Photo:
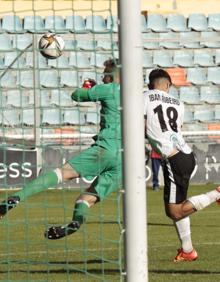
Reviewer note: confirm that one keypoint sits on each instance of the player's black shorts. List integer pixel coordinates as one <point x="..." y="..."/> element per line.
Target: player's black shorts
<point x="177" y="171"/>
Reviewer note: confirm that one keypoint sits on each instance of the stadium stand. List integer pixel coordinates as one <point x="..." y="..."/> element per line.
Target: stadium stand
<point x="188" y="47"/>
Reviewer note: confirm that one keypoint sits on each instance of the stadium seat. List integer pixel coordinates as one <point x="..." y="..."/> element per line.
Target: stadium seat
<point x="183" y="58"/>
<point x="27" y="117"/>
<point x="55" y="24"/>
<point x="197" y="22"/>
<point x="85" y="44"/>
<point x="61" y="62"/>
<point x="16" y="98"/>
<point x="70" y="45"/>
<point x="51" y="117"/>
<point x="9" y="80"/>
<point x="204" y="114"/>
<point x="197" y="76"/>
<point x="188" y="115"/>
<point x="91" y="74"/>
<point x="74" y="117"/>
<point x="190" y="40"/>
<point x="214" y="75"/>
<point x="34" y="24"/>
<point x="143" y="24"/>
<point x="106" y="45"/>
<point x="217" y="57"/>
<point x="44" y="98"/>
<point x="166" y="38"/>
<point x="156" y="22"/>
<point x="210" y="94"/>
<point x="75" y="24"/>
<point x="49" y="78"/>
<point x="190" y="95"/>
<point x="5" y="43"/>
<point x="210" y="39"/>
<point x="162" y="58"/>
<point x="150" y="40"/>
<point x="12" y="24"/>
<point x="69" y="78"/>
<point x="112" y="23"/>
<point x="214" y="21"/>
<point x="203" y="58"/>
<point x="178" y="76"/>
<point x="21" y="41"/>
<point x="96" y="24"/>
<point x="173" y="91"/>
<point x="26" y="79"/>
<point x="92" y="116"/>
<point x="147" y="59"/>
<point x="10" y="57"/>
<point x="61" y="98"/>
<point x="217" y="112"/>
<point x="98" y="59"/>
<point x="41" y="62"/>
<point x="10" y="117"/>
<point x="2" y="66"/>
<point x="79" y="60"/>
<point x="176" y="22"/>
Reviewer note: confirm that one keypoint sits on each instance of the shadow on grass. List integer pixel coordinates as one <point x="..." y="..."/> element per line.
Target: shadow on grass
<point x="187" y="271"/>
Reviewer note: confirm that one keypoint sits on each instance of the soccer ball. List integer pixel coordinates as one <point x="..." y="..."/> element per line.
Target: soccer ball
<point x="51" y="45"/>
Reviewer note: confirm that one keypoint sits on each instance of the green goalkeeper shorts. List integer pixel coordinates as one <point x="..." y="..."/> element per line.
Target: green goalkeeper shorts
<point x="100" y="162"/>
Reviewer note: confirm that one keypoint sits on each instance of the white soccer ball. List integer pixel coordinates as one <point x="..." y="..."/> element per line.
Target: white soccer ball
<point x="51" y="45"/>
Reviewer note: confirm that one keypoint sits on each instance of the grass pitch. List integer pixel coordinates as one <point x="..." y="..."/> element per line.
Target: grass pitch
<point x="94" y="253"/>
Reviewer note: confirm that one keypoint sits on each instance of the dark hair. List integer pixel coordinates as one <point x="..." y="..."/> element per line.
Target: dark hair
<point x="110" y="67"/>
<point x="157" y="74"/>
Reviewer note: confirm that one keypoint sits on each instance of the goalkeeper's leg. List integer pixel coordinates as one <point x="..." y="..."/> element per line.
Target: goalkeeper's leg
<point x="81" y="209"/>
<point x="41" y="183"/>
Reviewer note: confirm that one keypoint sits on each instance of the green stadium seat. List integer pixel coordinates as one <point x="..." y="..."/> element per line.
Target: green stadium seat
<point x="74" y="117"/>
<point x="150" y="40"/>
<point x="34" y="24"/>
<point x="190" y="40"/>
<point x="61" y="98"/>
<point x="9" y="80"/>
<point x="112" y="23"/>
<point x="166" y="40"/>
<point x="183" y="58"/>
<point x="21" y="41"/>
<point x="162" y="58"/>
<point x="176" y="23"/>
<point x="27" y="117"/>
<point x="12" y="24"/>
<point x="197" y="22"/>
<point x="26" y="79"/>
<point x="203" y="58"/>
<point x="210" y="39"/>
<point x="5" y="43"/>
<point x="214" y="21"/>
<point x="70" y="45"/>
<point x="44" y="98"/>
<point x="51" y="117"/>
<point x="69" y="78"/>
<point x="210" y="94"/>
<point x="49" y="78"/>
<point x="16" y="98"/>
<point x="190" y="95"/>
<point x="147" y="59"/>
<point x="79" y="60"/>
<point x="214" y="75"/>
<point x="75" y="24"/>
<point x="85" y="44"/>
<point x="204" y="114"/>
<point x="156" y="22"/>
<point x="197" y="76"/>
<point x="96" y="24"/>
<point x="55" y="24"/>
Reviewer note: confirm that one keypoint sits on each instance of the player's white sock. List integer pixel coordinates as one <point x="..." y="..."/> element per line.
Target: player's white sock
<point x="184" y="233"/>
<point x="202" y="201"/>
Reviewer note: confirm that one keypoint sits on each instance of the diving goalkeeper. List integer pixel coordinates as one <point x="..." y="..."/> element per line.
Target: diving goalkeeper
<point x="102" y="159"/>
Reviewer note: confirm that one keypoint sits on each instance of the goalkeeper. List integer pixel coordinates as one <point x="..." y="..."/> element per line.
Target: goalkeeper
<point x="102" y="159"/>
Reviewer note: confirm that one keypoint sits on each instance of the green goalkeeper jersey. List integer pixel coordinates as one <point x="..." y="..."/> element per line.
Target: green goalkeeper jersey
<point x="108" y="95"/>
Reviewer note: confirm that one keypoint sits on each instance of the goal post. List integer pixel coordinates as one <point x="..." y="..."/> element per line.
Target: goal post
<point x="133" y="141"/>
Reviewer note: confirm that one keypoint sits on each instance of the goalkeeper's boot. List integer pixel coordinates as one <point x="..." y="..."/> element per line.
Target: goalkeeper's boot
<point x="8" y="204"/>
<point x="182" y="256"/>
<point x="58" y="232"/>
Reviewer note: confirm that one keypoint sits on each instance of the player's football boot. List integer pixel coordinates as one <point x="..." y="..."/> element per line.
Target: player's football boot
<point x="218" y="201"/>
<point x="58" y="232"/>
<point x="182" y="256"/>
<point x="9" y="204"/>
